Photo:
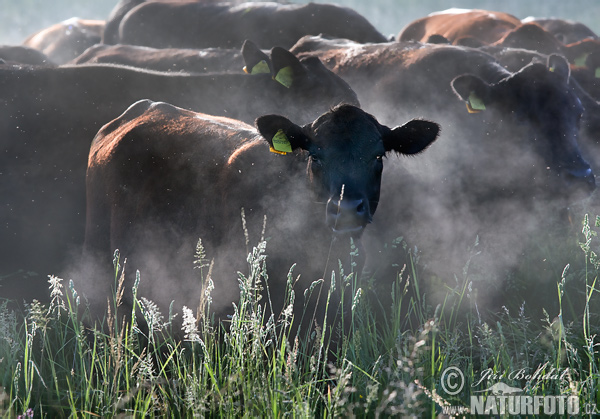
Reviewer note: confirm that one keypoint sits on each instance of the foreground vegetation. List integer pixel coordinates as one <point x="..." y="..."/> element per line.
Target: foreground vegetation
<point x="51" y="365"/>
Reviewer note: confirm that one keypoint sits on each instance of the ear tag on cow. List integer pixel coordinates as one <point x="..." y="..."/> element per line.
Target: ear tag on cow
<point x="281" y="144"/>
<point x="597" y="72"/>
<point x="475" y="104"/>
<point x="285" y="76"/>
<point x="261" y="68"/>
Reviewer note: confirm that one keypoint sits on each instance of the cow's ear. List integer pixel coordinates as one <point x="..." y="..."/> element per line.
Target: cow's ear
<point x="474" y="91"/>
<point x="286" y="67"/>
<point x="282" y="134"/>
<point x="256" y="61"/>
<point x="559" y="65"/>
<point x="411" y="138"/>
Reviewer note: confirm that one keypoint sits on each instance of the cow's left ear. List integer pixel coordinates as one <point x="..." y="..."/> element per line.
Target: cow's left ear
<point x="473" y="90"/>
<point x="411" y="138"/>
<point x="282" y="134"/>
<point x="559" y="65"/>
<point x="256" y="61"/>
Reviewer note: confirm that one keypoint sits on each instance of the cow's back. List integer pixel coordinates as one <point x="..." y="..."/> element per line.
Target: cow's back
<point x="453" y="24"/>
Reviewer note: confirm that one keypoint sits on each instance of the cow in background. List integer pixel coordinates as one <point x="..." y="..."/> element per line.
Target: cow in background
<point x="208" y="60"/>
<point x="64" y="41"/>
<point x="196" y="24"/>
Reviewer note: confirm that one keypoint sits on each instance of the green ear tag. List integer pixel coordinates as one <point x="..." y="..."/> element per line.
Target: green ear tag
<point x="261" y="68"/>
<point x="285" y="76"/>
<point x="475" y="104"/>
<point x="580" y="61"/>
<point x="597" y="72"/>
<point x="281" y="143"/>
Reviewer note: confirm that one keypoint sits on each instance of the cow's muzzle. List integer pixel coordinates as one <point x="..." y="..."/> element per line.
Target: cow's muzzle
<point x="347" y="216"/>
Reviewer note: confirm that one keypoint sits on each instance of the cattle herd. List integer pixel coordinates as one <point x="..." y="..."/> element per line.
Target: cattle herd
<point x="169" y="120"/>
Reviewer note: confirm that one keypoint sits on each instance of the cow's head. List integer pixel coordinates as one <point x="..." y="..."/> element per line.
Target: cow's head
<point x="544" y="112"/>
<point x="346" y="148"/>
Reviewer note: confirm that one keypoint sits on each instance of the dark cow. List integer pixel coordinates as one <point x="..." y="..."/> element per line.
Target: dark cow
<point x="507" y="154"/>
<point x="566" y="31"/>
<point x="111" y="30"/>
<point x="48" y="117"/>
<point x="209" y="60"/>
<point x="191" y="24"/>
<point x="64" y="41"/>
<point x="484" y="25"/>
<point x="160" y="177"/>
<point x="18" y="54"/>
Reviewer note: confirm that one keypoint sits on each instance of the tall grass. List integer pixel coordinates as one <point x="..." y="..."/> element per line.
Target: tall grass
<point x="392" y="363"/>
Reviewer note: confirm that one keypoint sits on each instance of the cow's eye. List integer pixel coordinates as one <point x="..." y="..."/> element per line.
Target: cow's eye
<point x="315" y="160"/>
<point x="379" y="157"/>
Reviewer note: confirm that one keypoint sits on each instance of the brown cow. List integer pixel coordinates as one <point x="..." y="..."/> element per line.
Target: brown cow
<point x="160" y="177"/>
<point x="486" y="26"/>
<point x="64" y="41"/>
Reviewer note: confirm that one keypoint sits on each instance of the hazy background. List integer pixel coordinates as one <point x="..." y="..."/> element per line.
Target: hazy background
<point x="20" y="18"/>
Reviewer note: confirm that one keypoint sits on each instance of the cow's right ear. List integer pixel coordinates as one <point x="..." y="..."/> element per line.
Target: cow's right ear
<point x="282" y="134"/>
<point x="473" y="90"/>
<point x="256" y="61"/>
<point x="286" y="67"/>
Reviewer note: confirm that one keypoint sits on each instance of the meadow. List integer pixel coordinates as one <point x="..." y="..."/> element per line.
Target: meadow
<point x="403" y="357"/>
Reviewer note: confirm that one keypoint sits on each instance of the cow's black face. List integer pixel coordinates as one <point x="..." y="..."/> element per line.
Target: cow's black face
<point x="541" y="108"/>
<point x="346" y="148"/>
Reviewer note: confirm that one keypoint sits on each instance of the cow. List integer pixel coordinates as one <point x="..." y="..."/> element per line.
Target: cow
<point x="195" y="24"/>
<point x="18" y="54"/>
<point x="64" y="41"/>
<point x="486" y="26"/>
<point x="566" y="31"/>
<point x="160" y="177"/>
<point x="208" y="60"/>
<point x="480" y="28"/>
<point x="508" y="152"/>
<point x="48" y="117"/>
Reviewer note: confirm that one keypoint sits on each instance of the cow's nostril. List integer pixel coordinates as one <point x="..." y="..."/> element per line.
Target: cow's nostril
<point x="360" y="208"/>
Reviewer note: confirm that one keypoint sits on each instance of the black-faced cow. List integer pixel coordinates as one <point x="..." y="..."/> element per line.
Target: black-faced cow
<point x="160" y="177"/>
<point x="508" y="157"/>
<point x="194" y="24"/>
<point x="64" y="41"/>
<point x="48" y="117"/>
<point x="208" y="60"/>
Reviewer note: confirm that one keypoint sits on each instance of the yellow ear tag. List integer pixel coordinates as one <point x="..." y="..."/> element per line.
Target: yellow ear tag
<point x="281" y="144"/>
<point x="580" y="61"/>
<point x="475" y="104"/>
<point x="285" y="76"/>
<point x="597" y="74"/>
